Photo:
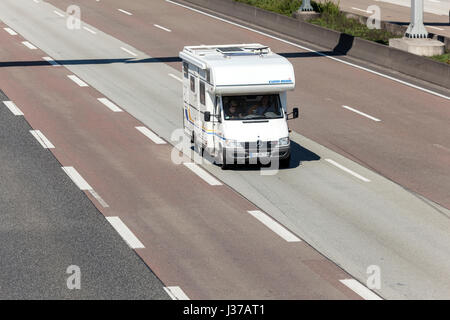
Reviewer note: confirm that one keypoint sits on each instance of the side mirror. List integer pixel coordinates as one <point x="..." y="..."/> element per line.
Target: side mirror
<point x="207" y="116"/>
<point x="294" y="113"/>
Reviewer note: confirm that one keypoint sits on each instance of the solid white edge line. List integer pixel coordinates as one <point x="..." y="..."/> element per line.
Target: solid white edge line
<point x="432" y="27"/>
<point x="175" y="77"/>
<point x="126" y="12"/>
<point x="42" y="139"/>
<point x="77" y="80"/>
<point x="58" y="13"/>
<point x="126" y="234"/>
<point x="347" y="170"/>
<point x="89" y="30"/>
<point x="10" y="31"/>
<point x="13" y="108"/>
<point x="274" y="226"/>
<point x="360" y="289"/>
<point x="77" y="178"/>
<point x="362" y="10"/>
<point x="163" y="28"/>
<point x="202" y="174"/>
<point x="316" y="52"/>
<point x="29" y="45"/>
<point x="110" y="105"/>
<point x="149" y="134"/>
<point x="51" y="61"/>
<point x="175" y="293"/>
<point x="362" y="113"/>
<point x="129" y="51"/>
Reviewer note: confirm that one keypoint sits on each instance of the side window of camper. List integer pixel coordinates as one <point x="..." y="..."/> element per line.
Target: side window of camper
<point x="202" y="92"/>
<point x="185" y="69"/>
<point x="192" y="84"/>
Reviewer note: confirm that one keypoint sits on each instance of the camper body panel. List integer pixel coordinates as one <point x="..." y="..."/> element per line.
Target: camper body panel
<point x="244" y="78"/>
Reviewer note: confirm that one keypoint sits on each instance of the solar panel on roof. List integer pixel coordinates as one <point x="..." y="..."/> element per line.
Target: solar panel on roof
<point x="229" y="49"/>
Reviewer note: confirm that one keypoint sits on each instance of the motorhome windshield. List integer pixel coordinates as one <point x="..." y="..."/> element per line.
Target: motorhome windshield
<point x="252" y="107"/>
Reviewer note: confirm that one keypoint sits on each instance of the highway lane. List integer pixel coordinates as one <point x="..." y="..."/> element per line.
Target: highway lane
<point x="194" y="232"/>
<point x="339" y="232"/>
<point x="47" y="225"/>
<point x="436" y="12"/>
<point x="399" y="147"/>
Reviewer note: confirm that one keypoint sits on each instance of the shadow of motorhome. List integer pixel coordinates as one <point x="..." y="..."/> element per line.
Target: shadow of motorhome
<point x="300" y="154"/>
<point x="38" y="63"/>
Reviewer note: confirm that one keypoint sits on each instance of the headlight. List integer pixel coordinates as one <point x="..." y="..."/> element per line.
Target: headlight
<point x="230" y="143"/>
<point x="283" y="142"/>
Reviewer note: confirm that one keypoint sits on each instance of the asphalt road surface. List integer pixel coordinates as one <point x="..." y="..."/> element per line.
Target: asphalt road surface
<point x="47" y="225"/>
<point x="205" y="241"/>
<point x="211" y="246"/>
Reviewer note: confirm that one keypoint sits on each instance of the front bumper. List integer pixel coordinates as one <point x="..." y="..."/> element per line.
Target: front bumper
<point x="265" y="154"/>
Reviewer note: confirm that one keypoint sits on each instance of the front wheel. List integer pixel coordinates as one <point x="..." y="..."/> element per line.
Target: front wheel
<point x="224" y="165"/>
<point x="284" y="163"/>
<point x="221" y="159"/>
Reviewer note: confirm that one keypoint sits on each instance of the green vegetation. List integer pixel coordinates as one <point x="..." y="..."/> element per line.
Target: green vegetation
<point x="286" y="7"/>
<point x="330" y="17"/>
<point x="442" y="58"/>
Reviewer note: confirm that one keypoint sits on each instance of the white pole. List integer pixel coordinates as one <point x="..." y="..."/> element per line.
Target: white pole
<point x="306" y="6"/>
<point x="416" y="28"/>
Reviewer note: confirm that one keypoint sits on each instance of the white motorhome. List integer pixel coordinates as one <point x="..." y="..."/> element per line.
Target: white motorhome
<point x="235" y="102"/>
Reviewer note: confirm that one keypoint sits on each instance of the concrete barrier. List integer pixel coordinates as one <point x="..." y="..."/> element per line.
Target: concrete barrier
<point x="397" y="28"/>
<point x="336" y="42"/>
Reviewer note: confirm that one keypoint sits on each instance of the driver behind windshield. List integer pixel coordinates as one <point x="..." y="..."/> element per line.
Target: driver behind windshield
<point x="232" y="112"/>
<point x="265" y="105"/>
<point x="252" y="107"/>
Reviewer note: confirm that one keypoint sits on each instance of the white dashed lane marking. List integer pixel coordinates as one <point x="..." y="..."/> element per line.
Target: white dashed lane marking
<point x="125" y="233"/>
<point x="29" y="45"/>
<point x="202" y="174"/>
<point x="77" y="80"/>
<point x="110" y="105"/>
<point x="51" y="61"/>
<point x="149" y="134"/>
<point x="77" y="178"/>
<point x="126" y="12"/>
<point x="175" y="293"/>
<point x="274" y="226"/>
<point x="10" y="31"/>
<point x="361" y="113"/>
<point x="42" y="139"/>
<point x="162" y="28"/>
<point x="13" y="108"/>
<point x="359" y="289"/>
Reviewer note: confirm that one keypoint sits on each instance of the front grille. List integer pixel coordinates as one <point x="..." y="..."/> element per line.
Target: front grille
<point x="261" y="146"/>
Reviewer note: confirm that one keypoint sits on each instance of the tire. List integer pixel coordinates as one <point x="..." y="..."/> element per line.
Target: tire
<point x="224" y="165"/>
<point x="284" y="163"/>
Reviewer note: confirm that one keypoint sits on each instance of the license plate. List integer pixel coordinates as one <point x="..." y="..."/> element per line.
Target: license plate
<point x="259" y="154"/>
